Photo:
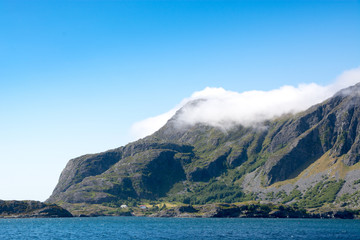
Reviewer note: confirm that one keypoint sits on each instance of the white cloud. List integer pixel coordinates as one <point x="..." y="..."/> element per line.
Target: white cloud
<point x="150" y="125"/>
<point x="225" y="108"/>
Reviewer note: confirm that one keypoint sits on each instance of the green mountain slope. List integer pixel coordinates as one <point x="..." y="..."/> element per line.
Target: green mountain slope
<point x="309" y="159"/>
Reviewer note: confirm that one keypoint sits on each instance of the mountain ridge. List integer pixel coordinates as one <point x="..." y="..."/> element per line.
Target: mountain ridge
<point x="272" y="161"/>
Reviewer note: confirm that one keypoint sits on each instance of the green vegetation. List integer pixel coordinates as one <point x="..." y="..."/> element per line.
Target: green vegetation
<point x="294" y="195"/>
<point x="131" y="202"/>
<point x="321" y="193"/>
<point x="214" y="191"/>
<point x="357" y="181"/>
<point x="349" y="199"/>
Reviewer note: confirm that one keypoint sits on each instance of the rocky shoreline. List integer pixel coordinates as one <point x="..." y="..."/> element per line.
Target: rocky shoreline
<point x="253" y="211"/>
<point x="36" y="209"/>
<point x="215" y="210"/>
<point x="31" y="209"/>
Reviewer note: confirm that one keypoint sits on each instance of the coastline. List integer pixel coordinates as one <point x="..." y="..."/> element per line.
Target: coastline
<point x="35" y="209"/>
<point x="216" y="210"/>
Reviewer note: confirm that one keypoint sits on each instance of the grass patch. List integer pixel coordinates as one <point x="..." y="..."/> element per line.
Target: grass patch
<point x="321" y="193"/>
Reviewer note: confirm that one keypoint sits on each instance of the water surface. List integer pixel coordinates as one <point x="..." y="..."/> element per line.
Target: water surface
<point x="175" y="228"/>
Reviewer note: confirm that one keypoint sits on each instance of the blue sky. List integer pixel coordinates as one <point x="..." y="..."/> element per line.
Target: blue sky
<point x="75" y="75"/>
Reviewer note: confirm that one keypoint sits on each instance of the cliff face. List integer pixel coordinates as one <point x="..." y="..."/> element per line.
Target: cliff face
<point x="291" y="159"/>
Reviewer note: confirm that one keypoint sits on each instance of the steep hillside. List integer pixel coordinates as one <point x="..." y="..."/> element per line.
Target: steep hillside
<point x="309" y="160"/>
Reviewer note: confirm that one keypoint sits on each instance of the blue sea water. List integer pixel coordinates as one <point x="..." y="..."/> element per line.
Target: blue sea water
<point x="175" y="228"/>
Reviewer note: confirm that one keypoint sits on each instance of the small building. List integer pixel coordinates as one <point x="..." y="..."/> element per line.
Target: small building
<point x="123" y="206"/>
<point x="143" y="207"/>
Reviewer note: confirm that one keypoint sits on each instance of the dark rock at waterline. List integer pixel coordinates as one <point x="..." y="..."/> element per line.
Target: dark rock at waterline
<point x="250" y="211"/>
<point x="187" y="209"/>
<point x="342" y="214"/>
<point x="31" y="209"/>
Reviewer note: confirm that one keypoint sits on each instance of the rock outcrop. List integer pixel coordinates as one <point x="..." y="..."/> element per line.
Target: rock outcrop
<point x="31" y="209"/>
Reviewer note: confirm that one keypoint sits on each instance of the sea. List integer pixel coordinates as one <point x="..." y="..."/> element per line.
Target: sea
<point x="178" y="228"/>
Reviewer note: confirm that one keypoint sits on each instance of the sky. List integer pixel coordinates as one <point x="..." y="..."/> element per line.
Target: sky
<point x="77" y="76"/>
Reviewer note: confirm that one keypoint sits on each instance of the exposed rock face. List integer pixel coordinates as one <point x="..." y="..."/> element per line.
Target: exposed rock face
<point x="201" y="164"/>
<point x="250" y="211"/>
<point x="88" y="165"/>
<point x="31" y="209"/>
<point x="147" y="170"/>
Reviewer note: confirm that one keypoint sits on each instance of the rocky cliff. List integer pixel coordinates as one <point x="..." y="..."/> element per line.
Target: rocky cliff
<point x="309" y="159"/>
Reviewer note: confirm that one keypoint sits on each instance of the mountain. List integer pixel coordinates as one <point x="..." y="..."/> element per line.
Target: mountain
<point x="308" y="160"/>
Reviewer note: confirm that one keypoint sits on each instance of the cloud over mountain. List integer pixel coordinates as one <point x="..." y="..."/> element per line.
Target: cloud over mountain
<point x="224" y="108"/>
